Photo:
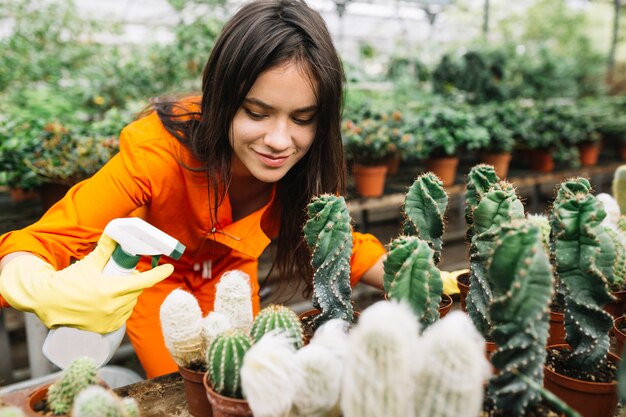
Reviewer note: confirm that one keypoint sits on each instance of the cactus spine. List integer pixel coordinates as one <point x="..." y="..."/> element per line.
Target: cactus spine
<point x="275" y="317"/>
<point x="498" y="206"/>
<point x="233" y="298"/>
<point x="329" y="236"/>
<point x="449" y="381"/>
<point x="619" y="188"/>
<point x="479" y="180"/>
<point x="377" y="377"/>
<point x="424" y="209"/>
<point x="521" y="278"/>
<point x="411" y="275"/>
<point x="11" y="412"/>
<point x="80" y="374"/>
<point x="224" y="360"/>
<point x="584" y="256"/>
<point x="181" y="324"/>
<point x="98" y="402"/>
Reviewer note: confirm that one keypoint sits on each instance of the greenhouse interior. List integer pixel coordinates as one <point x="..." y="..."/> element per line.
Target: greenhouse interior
<point x="297" y="208"/>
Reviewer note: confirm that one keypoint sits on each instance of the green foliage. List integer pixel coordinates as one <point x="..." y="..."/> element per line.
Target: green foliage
<point x="411" y="275"/>
<point x="80" y="374"/>
<point x="521" y="280"/>
<point x="424" y="209"/>
<point x="277" y="317"/>
<point x="370" y="140"/>
<point x="479" y="180"/>
<point x="584" y="255"/>
<point x="224" y="360"/>
<point x="500" y="122"/>
<point x="329" y="236"/>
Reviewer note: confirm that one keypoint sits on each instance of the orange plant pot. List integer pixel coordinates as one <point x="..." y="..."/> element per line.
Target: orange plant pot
<point x="541" y="160"/>
<point x="589" y="153"/>
<point x="197" y="401"/>
<point x="445" y="168"/>
<point x="225" y="406"/>
<point x="369" y="181"/>
<point x="499" y="161"/>
<point x="556" y="334"/>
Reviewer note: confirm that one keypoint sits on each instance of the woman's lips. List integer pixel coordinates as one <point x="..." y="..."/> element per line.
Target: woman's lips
<point x="272" y="161"/>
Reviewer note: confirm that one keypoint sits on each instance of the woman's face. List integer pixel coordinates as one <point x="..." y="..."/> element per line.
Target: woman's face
<point x="275" y="126"/>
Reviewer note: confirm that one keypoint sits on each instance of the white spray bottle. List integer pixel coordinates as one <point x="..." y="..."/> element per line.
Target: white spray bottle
<point x="135" y="237"/>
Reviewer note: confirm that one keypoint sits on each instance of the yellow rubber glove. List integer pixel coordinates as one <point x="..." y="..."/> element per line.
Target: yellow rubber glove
<point x="79" y="295"/>
<point x="449" y="281"/>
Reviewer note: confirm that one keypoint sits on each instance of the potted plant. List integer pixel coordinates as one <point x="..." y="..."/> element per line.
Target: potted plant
<point x="96" y="401"/>
<point x="498" y="120"/>
<point x="367" y="143"/>
<point x="582" y="372"/>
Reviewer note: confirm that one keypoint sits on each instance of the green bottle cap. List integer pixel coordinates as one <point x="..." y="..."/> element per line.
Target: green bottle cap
<point x="125" y="259"/>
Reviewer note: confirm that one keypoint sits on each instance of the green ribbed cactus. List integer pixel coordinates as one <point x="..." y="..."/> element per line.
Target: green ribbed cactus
<point x="521" y="278"/>
<point x="329" y="236"/>
<point x="411" y="275"/>
<point x="224" y="360"/>
<point x="11" y="412"/>
<point x="98" y="402"/>
<point x="479" y="180"/>
<point x="275" y="317"/>
<point x="618" y="188"/>
<point x="80" y="374"/>
<point x="618" y="238"/>
<point x="424" y="209"/>
<point x="584" y="256"/>
<point x="498" y="206"/>
<point x="543" y="223"/>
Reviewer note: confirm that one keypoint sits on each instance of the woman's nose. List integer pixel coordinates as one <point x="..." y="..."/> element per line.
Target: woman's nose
<point x="278" y="137"/>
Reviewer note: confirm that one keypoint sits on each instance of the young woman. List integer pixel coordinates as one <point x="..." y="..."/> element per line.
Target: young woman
<point x="223" y="173"/>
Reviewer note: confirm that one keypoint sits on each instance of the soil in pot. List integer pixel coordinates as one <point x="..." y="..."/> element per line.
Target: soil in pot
<point x="445" y="305"/>
<point x="540" y="410"/>
<point x="307" y="319"/>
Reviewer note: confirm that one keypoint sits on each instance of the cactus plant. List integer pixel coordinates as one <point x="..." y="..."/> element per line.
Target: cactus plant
<point x="80" y="374"/>
<point x="618" y="237"/>
<point x="425" y="205"/>
<point x="377" y="377"/>
<point x="521" y="280"/>
<point x="270" y="375"/>
<point x="479" y="180"/>
<point x="233" y="298"/>
<point x="213" y="325"/>
<point x="275" y="317"/>
<point x="224" y="360"/>
<point x="411" y="275"/>
<point x="329" y="236"/>
<point x="11" y="412"/>
<point x="542" y="222"/>
<point x="98" y="402"/>
<point x="618" y="188"/>
<point x="181" y="324"/>
<point x="449" y="381"/>
<point x="498" y="206"/>
<point x="584" y="255"/>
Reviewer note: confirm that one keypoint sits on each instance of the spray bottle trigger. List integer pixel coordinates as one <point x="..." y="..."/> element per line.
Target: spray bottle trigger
<point x="155" y="260"/>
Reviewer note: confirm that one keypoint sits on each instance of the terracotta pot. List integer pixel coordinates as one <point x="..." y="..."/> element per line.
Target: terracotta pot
<point x="369" y="181"/>
<point x="620" y="337"/>
<point x="225" y="406"/>
<point x="541" y="160"/>
<point x="446" y="300"/>
<point x="556" y="334"/>
<point x="490" y="348"/>
<point x="50" y="193"/>
<point x="444" y="167"/>
<point x="464" y="289"/>
<point x="616" y="308"/>
<point x="197" y="401"/>
<point x="499" y="161"/>
<point x="393" y="163"/>
<point x="589" y="153"/>
<point x="590" y="399"/>
<point x="18" y="195"/>
<point x="36" y="400"/>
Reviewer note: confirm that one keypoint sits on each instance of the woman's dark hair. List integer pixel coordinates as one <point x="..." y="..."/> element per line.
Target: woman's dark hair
<point x="264" y="34"/>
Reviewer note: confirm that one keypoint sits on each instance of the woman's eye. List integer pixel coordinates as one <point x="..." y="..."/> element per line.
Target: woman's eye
<point x="254" y="115"/>
<point x="303" y="120"/>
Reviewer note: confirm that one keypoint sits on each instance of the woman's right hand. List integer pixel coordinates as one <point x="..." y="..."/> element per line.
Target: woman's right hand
<point x="78" y="296"/>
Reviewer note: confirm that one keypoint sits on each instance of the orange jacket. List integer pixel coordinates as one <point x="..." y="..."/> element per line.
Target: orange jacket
<point x="146" y="179"/>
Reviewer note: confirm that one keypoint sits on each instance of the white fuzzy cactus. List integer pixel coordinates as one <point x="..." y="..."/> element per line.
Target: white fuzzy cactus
<point x="213" y="325"/>
<point x="96" y="401"/>
<point x="270" y="376"/>
<point x="233" y="298"/>
<point x="378" y="378"/>
<point x="322" y="370"/>
<point x="181" y="323"/>
<point x="612" y="210"/>
<point x="333" y="335"/>
<point x="449" y="382"/>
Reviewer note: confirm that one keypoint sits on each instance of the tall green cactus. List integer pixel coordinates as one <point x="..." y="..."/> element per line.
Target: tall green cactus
<point x="98" y="402"/>
<point x="224" y="360"/>
<point x="498" y="206"/>
<point x="521" y="278"/>
<point x="411" y="275"/>
<point x="80" y="374"/>
<point x="479" y="180"/>
<point x="275" y="317"/>
<point x="619" y="188"/>
<point x="424" y="209"/>
<point x="584" y="255"/>
<point x="618" y="237"/>
<point x="329" y="236"/>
